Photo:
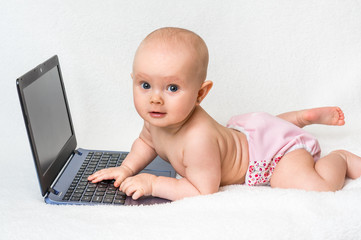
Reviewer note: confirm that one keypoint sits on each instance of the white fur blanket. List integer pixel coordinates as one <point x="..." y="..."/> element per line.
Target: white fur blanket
<point x="235" y="212"/>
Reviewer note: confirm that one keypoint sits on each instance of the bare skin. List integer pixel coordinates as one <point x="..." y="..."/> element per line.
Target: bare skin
<point x="324" y="115"/>
<point x="329" y="172"/>
<point x="168" y="87"/>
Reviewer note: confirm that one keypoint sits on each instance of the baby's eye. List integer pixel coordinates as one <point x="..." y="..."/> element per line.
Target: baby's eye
<point x="173" y="88"/>
<point x="145" y="85"/>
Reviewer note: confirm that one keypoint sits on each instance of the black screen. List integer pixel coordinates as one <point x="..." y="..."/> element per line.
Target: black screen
<point x="48" y="117"/>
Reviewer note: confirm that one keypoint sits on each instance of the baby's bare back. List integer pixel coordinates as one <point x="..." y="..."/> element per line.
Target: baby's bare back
<point x="205" y="136"/>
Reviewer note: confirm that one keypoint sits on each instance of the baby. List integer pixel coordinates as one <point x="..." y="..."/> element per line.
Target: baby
<point x="169" y="72"/>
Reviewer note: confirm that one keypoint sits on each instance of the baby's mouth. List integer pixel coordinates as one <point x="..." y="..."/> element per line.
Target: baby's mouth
<point x="157" y="114"/>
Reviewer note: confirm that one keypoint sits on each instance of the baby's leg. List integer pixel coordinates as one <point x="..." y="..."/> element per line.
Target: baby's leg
<point x="323" y="115"/>
<point x="297" y="169"/>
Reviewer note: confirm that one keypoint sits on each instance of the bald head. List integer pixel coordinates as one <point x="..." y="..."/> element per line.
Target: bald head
<point x="184" y="40"/>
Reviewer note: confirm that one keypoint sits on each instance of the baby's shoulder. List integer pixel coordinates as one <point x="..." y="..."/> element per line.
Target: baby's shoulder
<point x="200" y="131"/>
<point x="205" y="129"/>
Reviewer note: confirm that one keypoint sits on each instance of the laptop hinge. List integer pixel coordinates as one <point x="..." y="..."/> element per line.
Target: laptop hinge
<point x="77" y="152"/>
<point x="53" y="191"/>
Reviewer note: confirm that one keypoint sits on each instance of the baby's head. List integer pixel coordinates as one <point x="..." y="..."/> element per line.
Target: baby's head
<point x="171" y="40"/>
<point x="169" y="72"/>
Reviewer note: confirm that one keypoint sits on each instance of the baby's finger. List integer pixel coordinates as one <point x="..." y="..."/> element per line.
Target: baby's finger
<point x="96" y="174"/>
<point x="97" y="179"/>
<point x="104" y="174"/>
<point x="127" y="188"/>
<point x="93" y="176"/>
<point x="129" y="191"/>
<point x="138" y="194"/>
<point x="118" y="181"/>
<point x="123" y="186"/>
<point x="125" y="182"/>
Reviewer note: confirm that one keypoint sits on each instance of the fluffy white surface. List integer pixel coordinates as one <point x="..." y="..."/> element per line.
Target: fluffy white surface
<point x="272" y="56"/>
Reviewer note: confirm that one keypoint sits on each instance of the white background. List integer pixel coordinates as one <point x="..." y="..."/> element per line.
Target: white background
<point x="272" y="56"/>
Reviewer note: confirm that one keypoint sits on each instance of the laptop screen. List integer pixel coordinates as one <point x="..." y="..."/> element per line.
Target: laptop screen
<point x="48" y="116"/>
<point x="47" y="119"/>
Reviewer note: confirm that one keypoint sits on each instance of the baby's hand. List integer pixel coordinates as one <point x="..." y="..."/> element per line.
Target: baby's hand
<point x="139" y="185"/>
<point x="117" y="173"/>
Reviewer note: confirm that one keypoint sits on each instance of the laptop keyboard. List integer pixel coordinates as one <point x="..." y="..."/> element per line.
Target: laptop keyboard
<point x="81" y="190"/>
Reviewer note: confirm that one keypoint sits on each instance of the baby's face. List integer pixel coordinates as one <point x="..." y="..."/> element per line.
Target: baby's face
<point x="165" y="88"/>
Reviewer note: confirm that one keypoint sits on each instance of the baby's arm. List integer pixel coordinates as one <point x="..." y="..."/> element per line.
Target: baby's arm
<point x="202" y="175"/>
<point x="140" y="155"/>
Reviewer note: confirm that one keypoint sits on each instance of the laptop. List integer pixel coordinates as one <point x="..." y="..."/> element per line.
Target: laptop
<point x="62" y="168"/>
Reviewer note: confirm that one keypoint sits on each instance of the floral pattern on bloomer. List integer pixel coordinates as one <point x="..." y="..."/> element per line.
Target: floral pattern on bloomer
<point x="260" y="172"/>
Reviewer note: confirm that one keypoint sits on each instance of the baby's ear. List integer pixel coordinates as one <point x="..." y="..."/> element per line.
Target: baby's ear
<point x="204" y="90"/>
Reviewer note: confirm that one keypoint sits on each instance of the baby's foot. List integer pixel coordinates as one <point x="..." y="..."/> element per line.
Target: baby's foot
<point x="323" y="115"/>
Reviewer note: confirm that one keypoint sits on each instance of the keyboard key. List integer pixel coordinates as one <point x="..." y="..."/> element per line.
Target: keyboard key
<point x="86" y="199"/>
<point x="111" y="192"/>
<point x="103" y="184"/>
<point x="97" y="199"/>
<point x="121" y="201"/>
<point x="90" y="189"/>
<point x="77" y="195"/>
<point x="108" y="200"/>
<point x="121" y="193"/>
<point x="91" y="185"/>
<point x="97" y="193"/>
<point x="83" y="184"/>
<point x="78" y="191"/>
<point x="67" y="196"/>
<point x="120" y="197"/>
<point x="75" y="199"/>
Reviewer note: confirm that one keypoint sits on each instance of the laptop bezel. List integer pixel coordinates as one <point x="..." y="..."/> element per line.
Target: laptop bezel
<point x="45" y="178"/>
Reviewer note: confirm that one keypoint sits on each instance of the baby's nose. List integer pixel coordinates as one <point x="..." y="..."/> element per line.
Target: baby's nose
<point x="156" y="99"/>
